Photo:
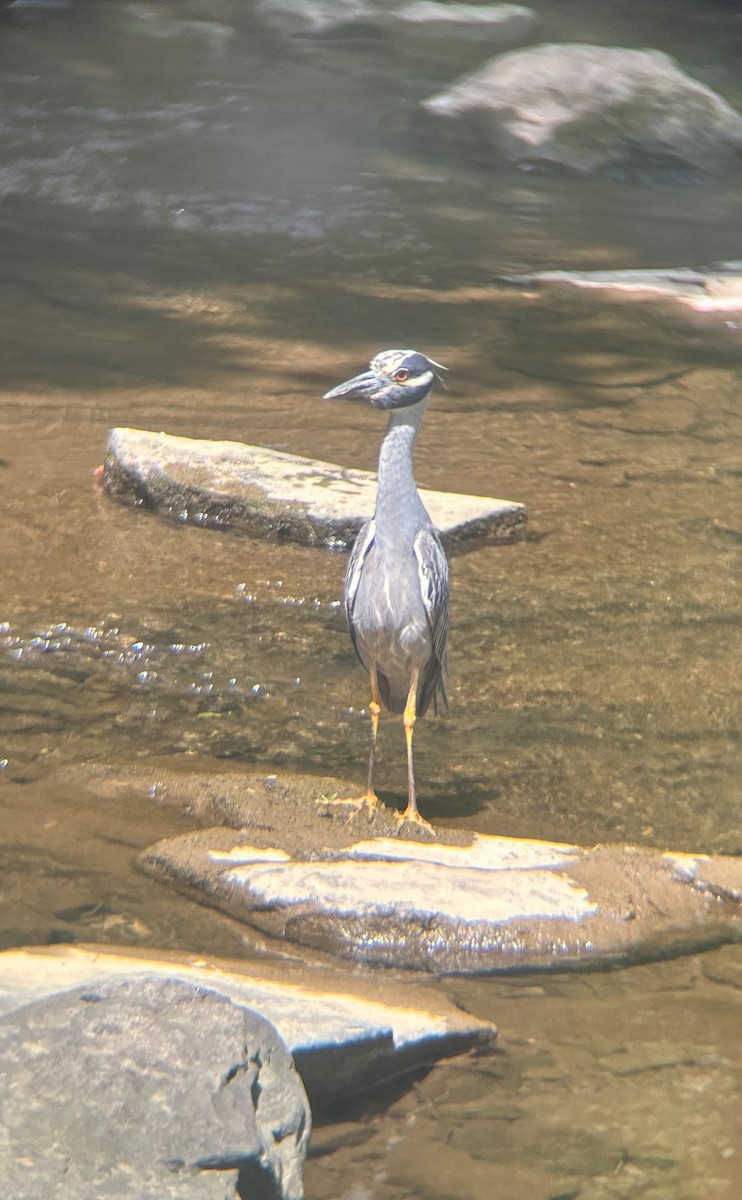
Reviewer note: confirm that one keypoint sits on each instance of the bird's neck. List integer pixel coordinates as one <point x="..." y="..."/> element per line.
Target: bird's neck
<point x="397" y="501"/>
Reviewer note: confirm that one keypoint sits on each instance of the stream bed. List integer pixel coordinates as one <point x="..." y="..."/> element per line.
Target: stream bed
<point x="206" y="224"/>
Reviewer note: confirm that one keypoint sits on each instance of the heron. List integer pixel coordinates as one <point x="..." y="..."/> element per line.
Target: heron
<point x="396" y="584"/>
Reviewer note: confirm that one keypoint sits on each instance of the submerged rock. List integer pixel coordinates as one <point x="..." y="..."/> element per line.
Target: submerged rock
<point x="306" y="17"/>
<point x="229" y="485"/>
<point x="344" y="1031"/>
<point x="150" y="1087"/>
<point x="592" y="108"/>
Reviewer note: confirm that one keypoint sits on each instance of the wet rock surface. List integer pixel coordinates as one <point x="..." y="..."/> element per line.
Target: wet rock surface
<point x="497" y="905"/>
<point x="355" y="884"/>
<point x="148" y="1087"/>
<point x="344" y="1032"/>
<point x="592" y="108"/>
<point x="229" y="485"/>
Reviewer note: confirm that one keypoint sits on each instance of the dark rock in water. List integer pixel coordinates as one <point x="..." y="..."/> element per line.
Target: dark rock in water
<point x="228" y="485"/>
<point x="592" y="108"/>
<point x="148" y="1089"/>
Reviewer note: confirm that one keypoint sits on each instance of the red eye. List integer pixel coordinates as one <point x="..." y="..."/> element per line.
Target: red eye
<point x="401" y="375"/>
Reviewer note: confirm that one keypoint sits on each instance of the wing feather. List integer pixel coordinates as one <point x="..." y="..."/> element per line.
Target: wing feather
<point x="432" y="568"/>
<point x="361" y="547"/>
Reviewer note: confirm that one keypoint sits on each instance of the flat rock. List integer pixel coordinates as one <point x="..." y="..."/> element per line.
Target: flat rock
<point x="501" y="24"/>
<point x="229" y="485"/>
<point x="716" y="290"/>
<point x="591" y="108"/>
<point x="343" y="1029"/>
<point x="358" y="885"/>
<point x="149" y="1087"/>
<point x="494" y="904"/>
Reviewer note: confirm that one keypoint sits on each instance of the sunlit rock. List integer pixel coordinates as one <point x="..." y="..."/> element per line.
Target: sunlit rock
<point x="345" y="1031"/>
<point x="152" y="1087"/>
<point x="492" y="904"/>
<point x="592" y="108"/>
<point x="294" y="864"/>
<point x="501" y="24"/>
<point x="229" y="485"/>
<point x="716" y="290"/>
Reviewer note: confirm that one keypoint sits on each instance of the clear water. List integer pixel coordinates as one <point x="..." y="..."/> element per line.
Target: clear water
<point x="204" y="226"/>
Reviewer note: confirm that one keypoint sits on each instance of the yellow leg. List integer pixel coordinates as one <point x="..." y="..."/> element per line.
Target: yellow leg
<point x="369" y="799"/>
<point x="411" y="813"/>
<point x="375" y="709"/>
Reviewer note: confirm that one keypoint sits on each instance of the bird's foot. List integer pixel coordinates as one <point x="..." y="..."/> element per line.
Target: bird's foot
<point x="412" y="816"/>
<point x="368" y="800"/>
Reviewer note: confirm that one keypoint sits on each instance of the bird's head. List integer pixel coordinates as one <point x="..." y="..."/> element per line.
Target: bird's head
<point x="395" y="379"/>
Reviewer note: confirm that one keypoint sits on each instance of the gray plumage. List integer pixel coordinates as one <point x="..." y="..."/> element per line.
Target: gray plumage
<point x="396" y="586"/>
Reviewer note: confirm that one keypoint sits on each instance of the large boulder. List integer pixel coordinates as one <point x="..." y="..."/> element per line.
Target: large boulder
<point x="149" y="1088"/>
<point x="592" y="108"/>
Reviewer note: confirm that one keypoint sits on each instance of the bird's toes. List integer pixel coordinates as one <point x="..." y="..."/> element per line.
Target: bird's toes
<point x="411" y="816"/>
<point x="369" y="800"/>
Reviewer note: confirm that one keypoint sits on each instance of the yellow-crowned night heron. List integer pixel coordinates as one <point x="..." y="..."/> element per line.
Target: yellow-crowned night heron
<point x="396" y="586"/>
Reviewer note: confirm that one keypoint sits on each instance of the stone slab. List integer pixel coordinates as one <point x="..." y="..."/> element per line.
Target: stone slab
<point x="499" y="26"/>
<point x="344" y="1031"/>
<point x="229" y="485"/>
<point x="355" y="884"/>
<point x="495" y="904"/>
<point x="716" y="290"/>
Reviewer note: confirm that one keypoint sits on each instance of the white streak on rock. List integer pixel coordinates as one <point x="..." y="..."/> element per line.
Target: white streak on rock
<point x="385" y="888"/>
<point x="484" y="854"/>
<point x="249" y="854"/>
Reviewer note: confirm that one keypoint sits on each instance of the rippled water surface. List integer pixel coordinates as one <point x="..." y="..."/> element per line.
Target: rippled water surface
<point x="205" y="224"/>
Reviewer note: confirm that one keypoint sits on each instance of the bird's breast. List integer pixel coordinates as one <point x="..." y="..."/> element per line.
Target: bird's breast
<point x="389" y="619"/>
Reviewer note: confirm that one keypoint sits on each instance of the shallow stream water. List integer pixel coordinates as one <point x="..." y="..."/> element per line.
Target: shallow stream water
<point x="205" y="225"/>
